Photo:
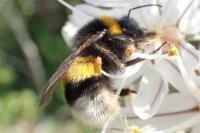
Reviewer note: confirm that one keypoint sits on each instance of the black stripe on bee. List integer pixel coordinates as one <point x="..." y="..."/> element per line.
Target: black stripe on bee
<point x="88" y="87"/>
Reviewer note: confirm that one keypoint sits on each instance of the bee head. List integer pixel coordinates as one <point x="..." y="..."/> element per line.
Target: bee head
<point x="120" y="44"/>
<point x="131" y="28"/>
<point x="116" y="39"/>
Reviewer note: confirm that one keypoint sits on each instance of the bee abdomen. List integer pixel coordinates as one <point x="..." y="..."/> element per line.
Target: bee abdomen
<point x="93" y="102"/>
<point x="98" y="110"/>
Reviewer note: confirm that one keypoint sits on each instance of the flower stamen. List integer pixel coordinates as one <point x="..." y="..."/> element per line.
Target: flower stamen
<point x="134" y="128"/>
<point x="173" y="51"/>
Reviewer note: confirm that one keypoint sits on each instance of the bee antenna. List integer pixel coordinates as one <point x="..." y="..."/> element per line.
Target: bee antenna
<point x="137" y="7"/>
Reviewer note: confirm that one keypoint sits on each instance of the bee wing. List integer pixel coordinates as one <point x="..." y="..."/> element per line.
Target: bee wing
<point x="49" y="87"/>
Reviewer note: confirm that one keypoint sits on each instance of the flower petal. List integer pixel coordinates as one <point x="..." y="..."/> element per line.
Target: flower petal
<point x="68" y="31"/>
<point x="189" y="55"/>
<point x="193" y="26"/>
<point x="190" y="16"/>
<point x="90" y="11"/>
<point x="131" y="73"/>
<point x="177" y="102"/>
<point x="169" y="13"/>
<point x="110" y="3"/>
<point x="173" y="103"/>
<point x="147" y="16"/>
<point x="152" y="90"/>
<point x="196" y="74"/>
<point x="196" y="128"/>
<point x="166" y="123"/>
<point x="170" y="72"/>
<point x="192" y="87"/>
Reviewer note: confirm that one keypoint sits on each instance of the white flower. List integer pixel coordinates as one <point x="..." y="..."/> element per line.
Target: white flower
<point x="177" y="112"/>
<point x="170" y="23"/>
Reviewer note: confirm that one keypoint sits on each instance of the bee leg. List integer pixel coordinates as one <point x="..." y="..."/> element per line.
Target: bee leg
<point x="97" y="65"/>
<point x="127" y="91"/>
<point x="137" y="60"/>
<point x="134" y="61"/>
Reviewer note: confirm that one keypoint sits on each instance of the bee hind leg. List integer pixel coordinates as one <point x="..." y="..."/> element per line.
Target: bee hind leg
<point x="126" y="92"/>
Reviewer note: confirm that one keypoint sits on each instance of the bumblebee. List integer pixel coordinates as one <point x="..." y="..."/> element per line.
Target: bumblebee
<point x="103" y="44"/>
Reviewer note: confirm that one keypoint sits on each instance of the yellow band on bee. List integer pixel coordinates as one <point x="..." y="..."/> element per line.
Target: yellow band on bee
<point x="112" y="24"/>
<point x="83" y="68"/>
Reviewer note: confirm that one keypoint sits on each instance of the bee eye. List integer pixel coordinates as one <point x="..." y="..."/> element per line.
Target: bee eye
<point x="130" y="33"/>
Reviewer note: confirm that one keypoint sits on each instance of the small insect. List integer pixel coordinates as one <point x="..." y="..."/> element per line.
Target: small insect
<point x="103" y="44"/>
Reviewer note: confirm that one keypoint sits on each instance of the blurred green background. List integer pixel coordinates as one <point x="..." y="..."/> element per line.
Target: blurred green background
<point x="31" y="48"/>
